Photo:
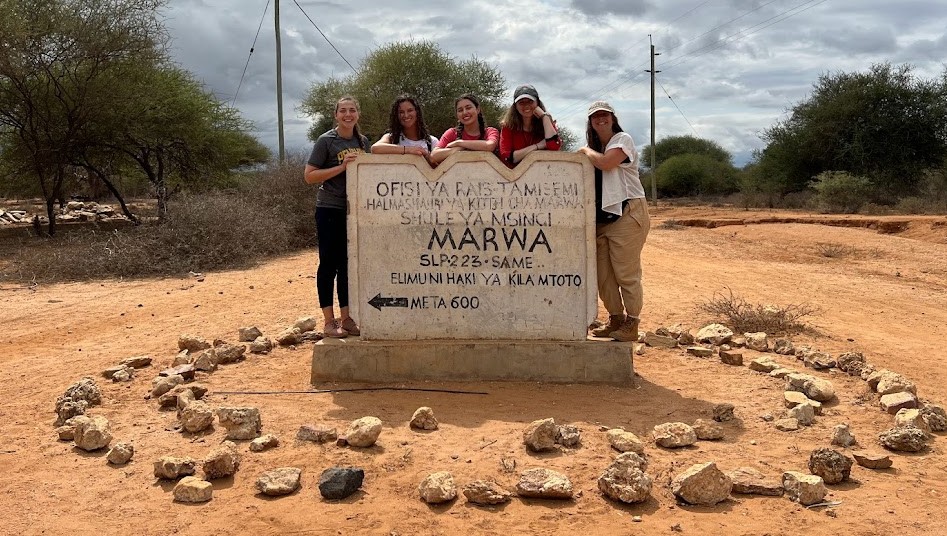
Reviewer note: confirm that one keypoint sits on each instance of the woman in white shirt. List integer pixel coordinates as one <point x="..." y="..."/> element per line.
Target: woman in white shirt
<point x="622" y="223"/>
<point x="407" y="132"/>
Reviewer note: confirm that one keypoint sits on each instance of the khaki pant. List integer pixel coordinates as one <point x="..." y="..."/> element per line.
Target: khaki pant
<point x="618" y="258"/>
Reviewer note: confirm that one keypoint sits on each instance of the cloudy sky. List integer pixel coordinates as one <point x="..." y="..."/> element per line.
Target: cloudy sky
<point x="730" y="67"/>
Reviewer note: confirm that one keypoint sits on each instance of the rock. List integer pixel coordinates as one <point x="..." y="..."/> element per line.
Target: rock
<point x="702" y="484"/>
<point x="305" y="323"/>
<point x="723" y="412"/>
<point x="757" y="341"/>
<point x="67" y="409"/>
<point x="240" y="422"/>
<point x="895" y="402"/>
<point x="787" y="425"/>
<point x="872" y="460"/>
<point x="903" y="439"/>
<point x="338" y="483"/>
<point x="186" y="371"/>
<point x="714" y="333"/>
<point x="221" y="462"/>
<point x="686" y="338"/>
<point x="625" y="479"/>
<point x="659" y="341"/>
<point x="438" y="488"/>
<point x="814" y="388"/>
<point x="568" y="436"/>
<point x="781" y="373"/>
<point x="674" y="435"/>
<point x="731" y="357"/>
<point x="124" y="375"/>
<point x="764" y="364"/>
<point x="876" y="376"/>
<point x="196" y="417"/>
<point x="317" y="433"/>
<point x="842" y="436"/>
<point x="833" y="466"/>
<point x="738" y="341"/>
<point x="544" y="483"/>
<point x="423" y="419"/>
<point x="261" y="345"/>
<point x="192" y="343"/>
<point x="707" y="430"/>
<point x="935" y="416"/>
<point x="248" y="334"/>
<point x="867" y="370"/>
<point x="851" y="363"/>
<point x="819" y="361"/>
<point x="623" y="441"/>
<point x="120" y="453"/>
<point x="67" y="432"/>
<point x="163" y="384"/>
<point x="170" y="467"/>
<point x="264" y="442"/>
<point x="206" y="361"/>
<point x="749" y="481"/>
<point x="895" y="383"/>
<point x="110" y="372"/>
<point x="911" y="418"/>
<point x="540" y="435"/>
<point x="804" y="489"/>
<point x="288" y="337"/>
<point x="783" y="347"/>
<point x="277" y="482"/>
<point x="93" y="433"/>
<point x="486" y="493"/>
<point x="183" y="358"/>
<point x="194" y="391"/>
<point x="363" y="432"/>
<point x="804" y="413"/>
<point x="699" y="351"/>
<point x="229" y="353"/>
<point x="76" y="399"/>
<point x="793" y="398"/>
<point x="136" y="362"/>
<point x="191" y="489"/>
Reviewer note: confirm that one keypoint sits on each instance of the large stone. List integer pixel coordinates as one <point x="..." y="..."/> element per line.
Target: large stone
<point x="749" y="481"/>
<point x="935" y="416"/>
<point x="700" y="351"/>
<point x="190" y="391"/>
<point x="764" y="364"/>
<point x="163" y="384"/>
<point x="872" y="460"/>
<point x="68" y="409"/>
<point x="904" y="439"/>
<point x="702" y="484"/>
<point x="171" y="467"/>
<point x="93" y="433"/>
<point x="814" y="388"/>
<point x="337" y="483"/>
<point x="120" y="453"/>
<point x="67" y="432"/>
<point x="486" y="493"/>
<point x="842" y="436"/>
<point x="540" y="435"/>
<point x="819" y="360"/>
<point x="183" y="358"/>
<point x="714" y="333"/>
<point x="912" y="418"/>
<point x="191" y="489"/>
<point x="305" y="323"/>
<point x="438" y="488"/>
<point x="123" y="373"/>
<point x="423" y="419"/>
<point x="186" y="371"/>
<point x="280" y="481"/>
<point x="851" y="363"/>
<point x="793" y="398"/>
<point x="544" y="483"/>
<point x="804" y="413"/>
<point x="137" y="362"/>
<point x="659" y="341"/>
<point x="84" y="389"/>
<point x="895" y="402"/>
<point x="707" y="430"/>
<point x="723" y="412"/>
<point x="192" y="343"/>
<point x="261" y="345"/>
<point x="731" y="357"/>
<point x="221" y="462"/>
<point x="789" y="424"/>
<point x="891" y="383"/>
<point x="568" y="436"/>
<point x="289" y="337"/>
<point x="317" y="433"/>
<point x="206" y="361"/>
<point x="625" y="479"/>
<point x="248" y="334"/>
<point x="229" y="353"/>
<point x="757" y="341"/>
<point x="264" y="442"/>
<point x="196" y="417"/>
<point x="240" y="422"/>
<point x="623" y="441"/>
<point x="804" y="489"/>
<point x="363" y="432"/>
<point x="783" y="347"/>
<point x="674" y="435"/>
<point x="833" y="466"/>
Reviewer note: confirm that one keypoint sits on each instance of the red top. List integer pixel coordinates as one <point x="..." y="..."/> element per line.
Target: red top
<point x="450" y="135"/>
<point x="514" y="140"/>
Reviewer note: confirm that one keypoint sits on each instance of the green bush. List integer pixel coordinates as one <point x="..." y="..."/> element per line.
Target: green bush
<point x="695" y="174"/>
<point x="840" y="191"/>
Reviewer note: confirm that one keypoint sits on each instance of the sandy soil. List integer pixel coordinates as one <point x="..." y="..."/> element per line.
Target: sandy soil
<point x="886" y="298"/>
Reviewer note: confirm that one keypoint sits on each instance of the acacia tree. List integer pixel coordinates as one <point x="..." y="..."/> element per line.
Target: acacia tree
<point x="419" y="68"/>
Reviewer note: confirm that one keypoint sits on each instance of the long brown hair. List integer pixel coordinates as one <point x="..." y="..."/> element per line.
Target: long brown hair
<point x="591" y="137"/>
<point x="482" y="124"/>
<point x="394" y="124"/>
<point x="514" y="120"/>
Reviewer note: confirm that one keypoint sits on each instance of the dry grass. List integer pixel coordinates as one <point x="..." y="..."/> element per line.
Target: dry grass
<point x="835" y="251"/>
<point x="743" y="316"/>
<point x="670" y="225"/>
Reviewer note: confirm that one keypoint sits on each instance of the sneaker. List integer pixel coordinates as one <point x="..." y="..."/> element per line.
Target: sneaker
<point x="350" y="326"/>
<point x="614" y="322"/>
<point x="334" y="330"/>
<point x="628" y="332"/>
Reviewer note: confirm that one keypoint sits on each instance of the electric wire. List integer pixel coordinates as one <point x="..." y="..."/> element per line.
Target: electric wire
<point x="253" y="46"/>
<point x="354" y="70"/>
<point x="678" y="107"/>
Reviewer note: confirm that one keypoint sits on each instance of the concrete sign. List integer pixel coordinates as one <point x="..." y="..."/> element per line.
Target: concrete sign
<point x="471" y="249"/>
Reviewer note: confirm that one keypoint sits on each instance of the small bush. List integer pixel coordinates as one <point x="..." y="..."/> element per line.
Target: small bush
<point x="874" y="209"/>
<point x="695" y="174"/>
<point x="835" y="251"/>
<point x="914" y="205"/>
<point x="671" y="224"/>
<point x="743" y="316"/>
<point x="840" y="191"/>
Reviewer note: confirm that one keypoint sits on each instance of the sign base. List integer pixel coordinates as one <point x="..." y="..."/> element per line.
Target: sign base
<point x="589" y="361"/>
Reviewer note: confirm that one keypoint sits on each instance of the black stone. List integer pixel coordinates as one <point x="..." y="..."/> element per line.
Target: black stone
<point x="339" y="482"/>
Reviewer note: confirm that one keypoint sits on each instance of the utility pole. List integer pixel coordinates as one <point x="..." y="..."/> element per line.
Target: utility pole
<point x="654" y="152"/>
<point x="279" y="89"/>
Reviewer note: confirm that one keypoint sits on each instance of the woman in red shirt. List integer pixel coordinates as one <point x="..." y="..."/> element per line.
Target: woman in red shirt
<point x="526" y="127"/>
<point x="470" y="134"/>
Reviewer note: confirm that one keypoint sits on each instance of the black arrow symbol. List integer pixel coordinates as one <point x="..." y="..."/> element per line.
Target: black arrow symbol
<point x="378" y="302"/>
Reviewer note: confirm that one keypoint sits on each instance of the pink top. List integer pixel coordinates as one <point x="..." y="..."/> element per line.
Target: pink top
<point x="451" y="135"/>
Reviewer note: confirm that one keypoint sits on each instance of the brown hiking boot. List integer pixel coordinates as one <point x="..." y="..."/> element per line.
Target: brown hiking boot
<point x="614" y="322"/>
<point x="628" y="332"/>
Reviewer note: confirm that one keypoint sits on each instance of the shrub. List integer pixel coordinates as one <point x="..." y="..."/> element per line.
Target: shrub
<point x="835" y="251"/>
<point x="743" y="316"/>
<point x="840" y="191"/>
<point x="695" y="174"/>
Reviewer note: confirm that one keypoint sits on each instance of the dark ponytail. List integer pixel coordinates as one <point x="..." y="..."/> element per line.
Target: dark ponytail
<point x="480" y="122"/>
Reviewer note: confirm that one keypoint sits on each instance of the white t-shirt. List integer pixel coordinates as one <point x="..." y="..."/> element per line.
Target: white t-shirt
<point x="419" y="143"/>
<point x="622" y="182"/>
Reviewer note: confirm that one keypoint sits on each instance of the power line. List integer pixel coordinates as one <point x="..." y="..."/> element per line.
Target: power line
<point x="354" y="70"/>
<point x="253" y="46"/>
<point x="678" y="108"/>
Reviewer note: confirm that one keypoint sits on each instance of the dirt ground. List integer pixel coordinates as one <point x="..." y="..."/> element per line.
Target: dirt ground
<point x="887" y="297"/>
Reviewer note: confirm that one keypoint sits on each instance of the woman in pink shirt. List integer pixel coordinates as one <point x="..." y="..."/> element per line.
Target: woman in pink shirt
<point x="470" y="134"/>
<point x="526" y="127"/>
